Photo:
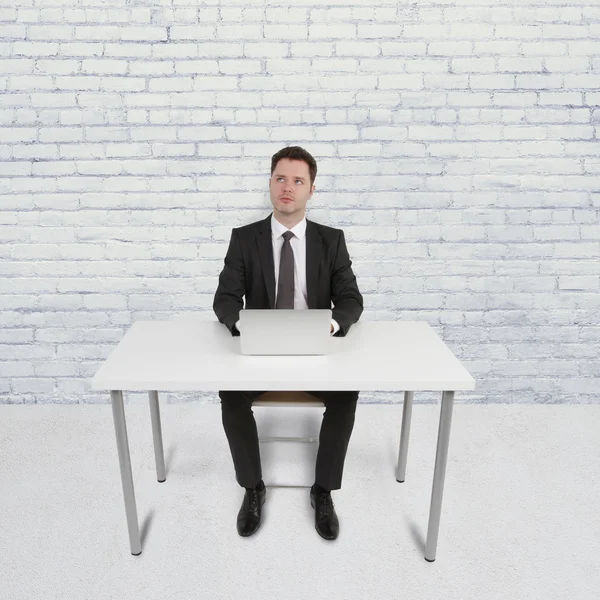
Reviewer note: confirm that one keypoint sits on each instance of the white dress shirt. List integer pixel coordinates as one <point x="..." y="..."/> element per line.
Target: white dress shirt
<point x="298" y="243"/>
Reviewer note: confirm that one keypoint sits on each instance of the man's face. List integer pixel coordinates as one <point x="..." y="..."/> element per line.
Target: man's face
<point x="291" y="178"/>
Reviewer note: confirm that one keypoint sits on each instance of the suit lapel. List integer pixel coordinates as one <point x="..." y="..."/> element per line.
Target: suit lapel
<point x="265" y="252"/>
<point x="314" y="255"/>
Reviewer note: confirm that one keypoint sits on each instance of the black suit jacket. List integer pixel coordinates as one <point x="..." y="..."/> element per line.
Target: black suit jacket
<point x="249" y="271"/>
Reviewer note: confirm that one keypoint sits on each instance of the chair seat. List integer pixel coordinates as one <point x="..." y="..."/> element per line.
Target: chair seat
<point x="287" y="398"/>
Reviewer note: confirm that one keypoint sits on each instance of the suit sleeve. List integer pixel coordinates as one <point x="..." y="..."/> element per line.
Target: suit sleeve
<point x="231" y="288"/>
<point x="347" y="300"/>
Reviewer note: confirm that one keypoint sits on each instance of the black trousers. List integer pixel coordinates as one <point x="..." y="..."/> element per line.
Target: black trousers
<point x="242" y="435"/>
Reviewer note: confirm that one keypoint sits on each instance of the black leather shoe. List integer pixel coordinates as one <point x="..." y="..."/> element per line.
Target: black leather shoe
<point x="326" y="521"/>
<point x="248" y="519"/>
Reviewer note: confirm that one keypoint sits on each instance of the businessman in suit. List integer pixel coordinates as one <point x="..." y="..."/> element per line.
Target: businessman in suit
<point x="287" y="261"/>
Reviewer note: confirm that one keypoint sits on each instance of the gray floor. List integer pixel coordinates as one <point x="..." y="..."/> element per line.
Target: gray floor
<point x="519" y="516"/>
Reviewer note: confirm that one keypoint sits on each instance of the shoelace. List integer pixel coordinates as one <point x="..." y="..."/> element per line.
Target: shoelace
<point x="254" y="500"/>
<point x="325" y="504"/>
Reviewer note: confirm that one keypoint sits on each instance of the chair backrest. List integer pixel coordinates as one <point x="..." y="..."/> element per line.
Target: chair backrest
<point x="287" y="398"/>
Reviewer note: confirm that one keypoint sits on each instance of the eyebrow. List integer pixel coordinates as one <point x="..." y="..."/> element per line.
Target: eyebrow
<point x="297" y="177"/>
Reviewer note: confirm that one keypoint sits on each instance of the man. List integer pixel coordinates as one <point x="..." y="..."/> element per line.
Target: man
<point x="287" y="261"/>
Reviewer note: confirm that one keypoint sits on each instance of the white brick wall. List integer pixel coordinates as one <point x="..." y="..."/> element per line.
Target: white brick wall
<point x="457" y="146"/>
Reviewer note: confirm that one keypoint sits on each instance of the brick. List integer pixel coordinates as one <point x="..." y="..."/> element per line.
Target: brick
<point x="56" y="67"/>
<point x="332" y="31"/>
<point x="170" y="84"/>
<point x="35" y="49"/>
<point x="285" y="32"/>
<point x="518" y="31"/>
<point x="12" y="66"/>
<point x="97" y="32"/>
<point x="154" y="68"/>
<point x="77" y="49"/>
<point x="18" y="134"/>
<point x="60" y="134"/>
<point x="200" y="32"/>
<point x="444" y="48"/>
<point x="122" y="84"/>
<point x="530" y="80"/>
<point x="175" y="50"/>
<point x="195" y="67"/>
<point x="239" y="31"/>
<point x="544" y="48"/>
<point x="50" y="32"/>
<point x="377" y="31"/>
<point x="127" y="50"/>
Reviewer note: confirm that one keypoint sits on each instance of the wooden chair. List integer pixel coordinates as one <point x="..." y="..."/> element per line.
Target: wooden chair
<point x="288" y="398"/>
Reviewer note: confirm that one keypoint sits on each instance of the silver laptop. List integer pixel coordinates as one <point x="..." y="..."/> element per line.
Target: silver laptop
<point x="285" y="331"/>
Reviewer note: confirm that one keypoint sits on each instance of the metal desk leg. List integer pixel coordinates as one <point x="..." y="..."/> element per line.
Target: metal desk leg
<point x="116" y="398"/>
<point x="439" y="474"/>
<point x="159" y="455"/>
<point x="404" y="435"/>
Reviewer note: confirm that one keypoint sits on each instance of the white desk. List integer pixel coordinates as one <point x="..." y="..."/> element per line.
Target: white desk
<point x="204" y="356"/>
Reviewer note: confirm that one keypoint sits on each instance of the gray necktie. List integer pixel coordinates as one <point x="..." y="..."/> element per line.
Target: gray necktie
<point x="285" y="285"/>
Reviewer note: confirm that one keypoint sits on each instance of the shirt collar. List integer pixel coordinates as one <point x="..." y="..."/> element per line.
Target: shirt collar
<point x="277" y="229"/>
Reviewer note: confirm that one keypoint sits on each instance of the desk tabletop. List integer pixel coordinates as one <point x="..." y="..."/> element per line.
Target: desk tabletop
<point x="202" y="355"/>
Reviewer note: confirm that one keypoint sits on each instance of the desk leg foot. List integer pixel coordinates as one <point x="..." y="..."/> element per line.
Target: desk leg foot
<point x="135" y="542"/>
<point x="159" y="455"/>
<point x="404" y="435"/>
<point x="441" y="458"/>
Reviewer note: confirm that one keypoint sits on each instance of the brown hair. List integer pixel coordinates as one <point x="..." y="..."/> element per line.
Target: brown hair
<point x="296" y="153"/>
